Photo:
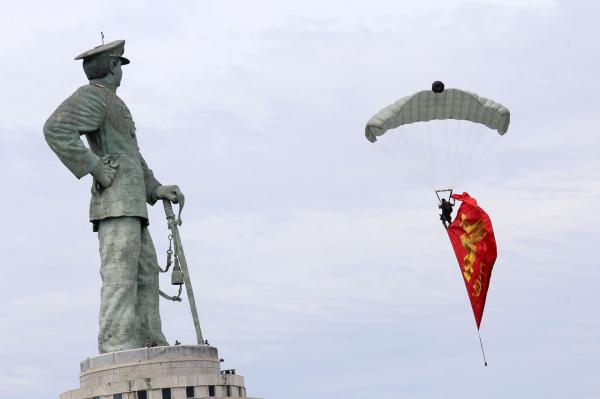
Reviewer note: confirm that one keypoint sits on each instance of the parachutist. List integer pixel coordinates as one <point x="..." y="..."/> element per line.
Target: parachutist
<point x="446" y="215"/>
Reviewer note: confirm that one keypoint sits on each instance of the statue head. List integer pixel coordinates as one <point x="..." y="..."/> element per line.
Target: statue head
<point x="104" y="62"/>
<point x="100" y="66"/>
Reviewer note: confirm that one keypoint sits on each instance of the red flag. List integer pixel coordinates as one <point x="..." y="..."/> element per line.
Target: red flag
<point x="472" y="238"/>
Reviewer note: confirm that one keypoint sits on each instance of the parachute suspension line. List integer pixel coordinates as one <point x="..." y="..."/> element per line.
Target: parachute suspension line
<point x="413" y="151"/>
<point x="461" y="147"/>
<point x="454" y="156"/>
<point x="405" y="153"/>
<point x="472" y="151"/>
<point x="487" y="148"/>
<point x="417" y="137"/>
<point x="466" y="148"/>
<point x="431" y="155"/>
<point x="474" y="138"/>
<point x="426" y="156"/>
<point x="478" y="137"/>
<point x="485" y="141"/>
<point x="457" y="135"/>
<point x="448" y="157"/>
<point x="484" y="151"/>
<point x="432" y="158"/>
<point x="392" y="155"/>
<point x="482" y="351"/>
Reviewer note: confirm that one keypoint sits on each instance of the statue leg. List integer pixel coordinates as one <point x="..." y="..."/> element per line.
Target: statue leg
<point x="147" y="306"/>
<point x="120" y="240"/>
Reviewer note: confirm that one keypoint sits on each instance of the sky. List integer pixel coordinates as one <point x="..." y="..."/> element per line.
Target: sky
<point x="319" y="264"/>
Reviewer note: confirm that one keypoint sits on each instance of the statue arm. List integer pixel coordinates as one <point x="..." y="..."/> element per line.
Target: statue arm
<point x="81" y="113"/>
<point x="155" y="190"/>
<point x="150" y="181"/>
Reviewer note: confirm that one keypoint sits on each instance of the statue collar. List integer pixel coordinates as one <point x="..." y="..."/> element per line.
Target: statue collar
<point x="101" y="83"/>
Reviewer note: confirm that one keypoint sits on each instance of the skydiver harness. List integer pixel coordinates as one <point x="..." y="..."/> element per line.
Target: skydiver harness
<point x="445" y="206"/>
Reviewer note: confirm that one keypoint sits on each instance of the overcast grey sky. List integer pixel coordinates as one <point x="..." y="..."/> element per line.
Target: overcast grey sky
<point x="320" y="266"/>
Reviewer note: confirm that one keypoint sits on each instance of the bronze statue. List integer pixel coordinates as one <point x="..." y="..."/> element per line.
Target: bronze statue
<point x="122" y="185"/>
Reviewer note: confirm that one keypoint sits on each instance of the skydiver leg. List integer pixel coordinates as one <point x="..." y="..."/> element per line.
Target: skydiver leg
<point x="448" y="219"/>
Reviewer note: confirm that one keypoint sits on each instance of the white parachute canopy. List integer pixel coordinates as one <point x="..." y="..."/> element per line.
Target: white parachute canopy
<point x="427" y="105"/>
<point x="439" y="130"/>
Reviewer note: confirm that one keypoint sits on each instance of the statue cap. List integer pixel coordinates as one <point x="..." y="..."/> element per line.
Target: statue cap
<point x="115" y="49"/>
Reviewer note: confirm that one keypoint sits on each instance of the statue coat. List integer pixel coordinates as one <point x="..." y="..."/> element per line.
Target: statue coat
<point x="99" y="114"/>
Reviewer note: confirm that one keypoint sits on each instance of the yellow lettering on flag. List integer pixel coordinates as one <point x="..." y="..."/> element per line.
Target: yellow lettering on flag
<point x="473" y="233"/>
<point x="478" y="285"/>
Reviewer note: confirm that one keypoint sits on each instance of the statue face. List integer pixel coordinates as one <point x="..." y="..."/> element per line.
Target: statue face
<point x="118" y="73"/>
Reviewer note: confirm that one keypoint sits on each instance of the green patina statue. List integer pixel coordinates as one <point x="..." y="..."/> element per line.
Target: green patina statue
<point x="122" y="185"/>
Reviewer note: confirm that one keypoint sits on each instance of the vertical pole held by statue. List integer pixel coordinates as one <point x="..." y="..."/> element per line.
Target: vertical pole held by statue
<point x="173" y="226"/>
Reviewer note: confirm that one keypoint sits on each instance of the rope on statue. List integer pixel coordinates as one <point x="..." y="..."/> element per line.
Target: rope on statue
<point x="176" y="298"/>
<point x="169" y="256"/>
<point x="176" y="274"/>
<point x="176" y="277"/>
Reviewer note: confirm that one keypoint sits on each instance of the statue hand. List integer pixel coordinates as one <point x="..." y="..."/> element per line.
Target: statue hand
<point x="104" y="174"/>
<point x="171" y="193"/>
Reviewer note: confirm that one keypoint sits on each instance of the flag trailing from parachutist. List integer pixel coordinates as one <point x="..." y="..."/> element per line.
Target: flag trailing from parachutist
<point x="472" y="238"/>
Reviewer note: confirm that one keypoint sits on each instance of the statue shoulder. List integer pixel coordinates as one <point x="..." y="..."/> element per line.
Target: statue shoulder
<point x="86" y="100"/>
<point x="88" y="96"/>
<point x="93" y="91"/>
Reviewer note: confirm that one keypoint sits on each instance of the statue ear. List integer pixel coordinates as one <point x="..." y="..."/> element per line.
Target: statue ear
<point x="112" y="64"/>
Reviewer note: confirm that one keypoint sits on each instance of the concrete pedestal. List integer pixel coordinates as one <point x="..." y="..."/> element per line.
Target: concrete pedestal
<point x="164" y="372"/>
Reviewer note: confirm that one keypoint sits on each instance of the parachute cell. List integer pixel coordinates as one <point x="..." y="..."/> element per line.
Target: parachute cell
<point x="426" y="105"/>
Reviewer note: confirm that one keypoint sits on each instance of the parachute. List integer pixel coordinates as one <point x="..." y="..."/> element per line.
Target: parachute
<point x="422" y="144"/>
<point x="430" y="136"/>
<point x="427" y="105"/>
